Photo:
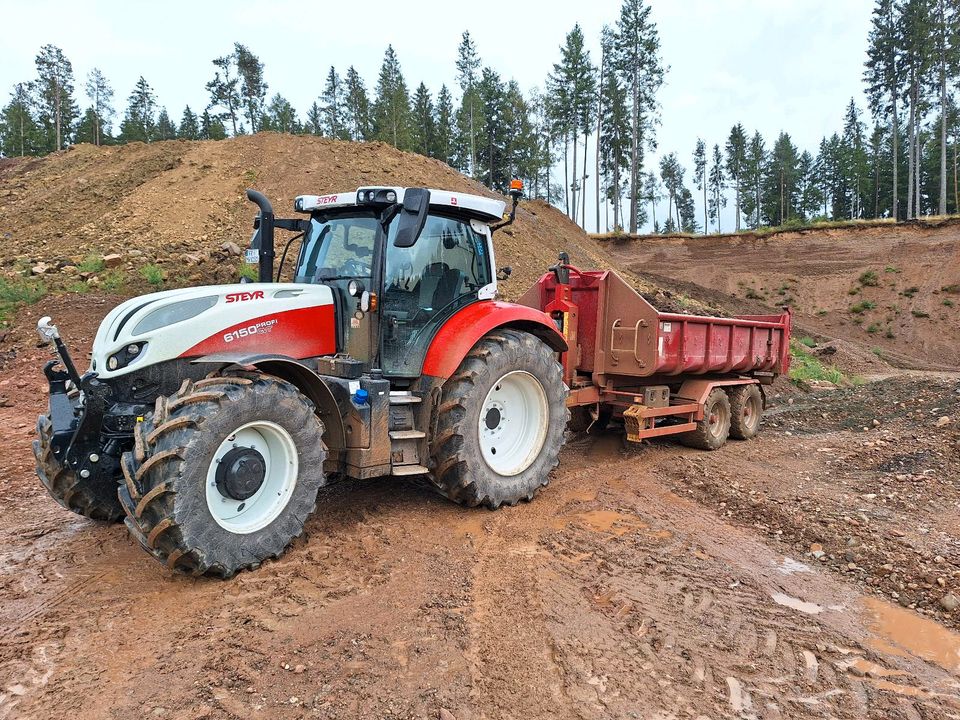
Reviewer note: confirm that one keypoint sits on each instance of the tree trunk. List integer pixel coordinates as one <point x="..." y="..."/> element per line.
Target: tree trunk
<point x="942" y="207"/>
<point x="583" y="185"/>
<point x="573" y="185"/>
<point x="473" y="141"/>
<point x="705" y="223"/>
<point x="910" y="148"/>
<point x="566" y="175"/>
<point x="895" y="124"/>
<point x="599" y="130"/>
<point x="634" y="153"/>
<point x="736" y="193"/>
<point x="956" y="196"/>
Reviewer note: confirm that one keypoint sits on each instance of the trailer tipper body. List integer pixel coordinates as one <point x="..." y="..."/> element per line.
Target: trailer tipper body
<point x="664" y="373"/>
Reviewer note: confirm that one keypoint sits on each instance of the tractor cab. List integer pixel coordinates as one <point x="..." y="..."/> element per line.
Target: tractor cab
<point x="399" y="262"/>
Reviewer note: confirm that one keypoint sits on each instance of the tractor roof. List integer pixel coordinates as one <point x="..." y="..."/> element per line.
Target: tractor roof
<point x="486" y="209"/>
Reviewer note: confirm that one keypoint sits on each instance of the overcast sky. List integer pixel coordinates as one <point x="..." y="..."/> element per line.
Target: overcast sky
<point x="771" y="64"/>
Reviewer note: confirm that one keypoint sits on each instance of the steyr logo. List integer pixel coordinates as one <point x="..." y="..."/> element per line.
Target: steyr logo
<point x="241" y="296"/>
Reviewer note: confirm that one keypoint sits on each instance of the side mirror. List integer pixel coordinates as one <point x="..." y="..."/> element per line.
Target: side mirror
<point x="413" y="216"/>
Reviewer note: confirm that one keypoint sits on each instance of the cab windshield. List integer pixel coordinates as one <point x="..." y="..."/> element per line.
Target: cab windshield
<point x="338" y="248"/>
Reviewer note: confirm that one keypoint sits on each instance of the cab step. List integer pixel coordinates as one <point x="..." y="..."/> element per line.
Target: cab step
<point x="404" y="470"/>
<point x="404" y="398"/>
<point x="407" y="434"/>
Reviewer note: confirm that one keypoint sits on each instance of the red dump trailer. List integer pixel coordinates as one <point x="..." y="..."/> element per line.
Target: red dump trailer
<point x="696" y="376"/>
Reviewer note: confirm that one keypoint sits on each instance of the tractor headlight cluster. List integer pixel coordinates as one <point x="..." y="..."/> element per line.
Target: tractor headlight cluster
<point x="124" y="357"/>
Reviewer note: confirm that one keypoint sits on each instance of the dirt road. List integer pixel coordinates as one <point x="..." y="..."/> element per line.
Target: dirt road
<point x="656" y="582"/>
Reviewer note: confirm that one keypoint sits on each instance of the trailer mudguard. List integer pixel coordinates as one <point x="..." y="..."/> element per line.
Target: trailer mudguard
<point x="465" y="328"/>
<point x="306" y="381"/>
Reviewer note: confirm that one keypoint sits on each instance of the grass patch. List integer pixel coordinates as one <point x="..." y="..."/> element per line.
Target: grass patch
<point x="891" y="269"/>
<point x="14" y="293"/>
<point x="952" y="289"/>
<point x="808" y="341"/>
<point x="92" y="263"/>
<point x="862" y="306"/>
<point x="821" y="312"/>
<point x="910" y="291"/>
<point x="889" y="334"/>
<point x="114" y="281"/>
<point x="250" y="272"/>
<point x="79" y="287"/>
<point x="919" y="314"/>
<point x="869" y="279"/>
<point x="804" y="367"/>
<point x="948" y="302"/>
<point x="153" y="274"/>
<point x="873" y="329"/>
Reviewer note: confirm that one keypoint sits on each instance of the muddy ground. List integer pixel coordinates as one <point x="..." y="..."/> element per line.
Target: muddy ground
<point x="806" y="573"/>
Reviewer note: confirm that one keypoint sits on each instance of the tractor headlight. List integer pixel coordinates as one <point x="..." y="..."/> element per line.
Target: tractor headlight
<point x="124" y="357"/>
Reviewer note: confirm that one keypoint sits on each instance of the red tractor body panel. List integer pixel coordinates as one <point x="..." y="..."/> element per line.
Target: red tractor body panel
<point x="468" y="325"/>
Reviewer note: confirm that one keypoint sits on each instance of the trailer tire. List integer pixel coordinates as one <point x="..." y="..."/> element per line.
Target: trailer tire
<point x="194" y="516"/>
<point x="746" y="408"/>
<point x="92" y="497"/>
<point x="712" y="431"/>
<point x="508" y="378"/>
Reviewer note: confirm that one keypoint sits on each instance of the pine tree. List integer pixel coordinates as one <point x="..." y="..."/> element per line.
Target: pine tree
<point x="780" y="198"/>
<point x="253" y="88"/>
<point x="19" y="132"/>
<point x="139" y="124"/>
<point x="736" y="158"/>
<point x="671" y="172"/>
<point x="165" y="130"/>
<point x="391" y="108"/>
<point x="468" y="67"/>
<point x="54" y="95"/>
<point x="946" y="50"/>
<point x="101" y="96"/>
<point x="423" y="125"/>
<point x="443" y="135"/>
<point x="854" y="161"/>
<point x="651" y="194"/>
<point x="333" y="102"/>
<point x="573" y="85"/>
<point x="314" y="123"/>
<point x="211" y="127"/>
<point x="637" y="60"/>
<point x="225" y="91"/>
<point x="189" y="125"/>
<point x="357" y="108"/>
<point x="85" y="131"/>
<point x="914" y="44"/>
<point x="883" y="78"/>
<point x="700" y="175"/>
<point x="492" y="134"/>
<point x="687" y="210"/>
<point x="808" y="192"/>
<point x="280" y="116"/>
<point x="717" y="181"/>
<point x="754" y="169"/>
<point x="615" y="145"/>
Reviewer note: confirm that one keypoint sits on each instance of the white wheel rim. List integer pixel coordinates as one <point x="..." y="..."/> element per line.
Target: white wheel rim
<point x="513" y="423"/>
<point x="279" y="453"/>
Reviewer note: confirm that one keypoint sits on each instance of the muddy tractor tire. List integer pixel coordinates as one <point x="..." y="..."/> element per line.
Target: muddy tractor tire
<point x="224" y="474"/>
<point x="746" y="408"/>
<point x="92" y="497"/>
<point x="500" y="423"/>
<point x="712" y="431"/>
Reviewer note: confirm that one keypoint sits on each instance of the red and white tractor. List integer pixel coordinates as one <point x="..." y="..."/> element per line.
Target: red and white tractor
<point x="219" y="411"/>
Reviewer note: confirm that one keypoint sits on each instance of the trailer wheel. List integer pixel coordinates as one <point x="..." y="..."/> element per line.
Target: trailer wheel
<point x="746" y="407"/>
<point x="91" y="497"/>
<point x="224" y="474"/>
<point x="501" y="422"/>
<point x="712" y="431"/>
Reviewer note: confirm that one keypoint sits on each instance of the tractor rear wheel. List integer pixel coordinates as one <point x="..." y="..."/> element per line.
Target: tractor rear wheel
<point x="501" y="422"/>
<point x="711" y="432"/>
<point x="746" y="407"/>
<point x="224" y="474"/>
<point x="91" y="497"/>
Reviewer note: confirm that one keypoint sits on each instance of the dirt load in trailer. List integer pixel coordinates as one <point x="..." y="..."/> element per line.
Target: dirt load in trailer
<point x="695" y="376"/>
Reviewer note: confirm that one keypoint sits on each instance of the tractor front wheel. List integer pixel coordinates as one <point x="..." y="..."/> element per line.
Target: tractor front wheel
<point x="224" y="474"/>
<point x="501" y="422"/>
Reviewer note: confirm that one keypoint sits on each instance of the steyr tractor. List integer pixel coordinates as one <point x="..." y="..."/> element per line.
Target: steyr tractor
<point x="210" y="416"/>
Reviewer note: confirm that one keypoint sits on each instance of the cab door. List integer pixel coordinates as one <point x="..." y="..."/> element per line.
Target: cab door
<point x="425" y="284"/>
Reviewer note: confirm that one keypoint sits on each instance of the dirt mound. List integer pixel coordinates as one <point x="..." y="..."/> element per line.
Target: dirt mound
<point x="892" y="288"/>
<point x="176" y="203"/>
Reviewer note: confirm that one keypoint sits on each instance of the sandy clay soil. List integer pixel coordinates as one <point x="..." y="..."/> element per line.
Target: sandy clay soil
<point x="806" y="573"/>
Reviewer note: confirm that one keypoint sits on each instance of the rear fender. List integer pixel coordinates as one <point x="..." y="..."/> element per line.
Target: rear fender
<point x="303" y="378"/>
<point x="468" y="325"/>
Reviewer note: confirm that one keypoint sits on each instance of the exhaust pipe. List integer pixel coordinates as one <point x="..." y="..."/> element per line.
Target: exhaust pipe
<point x="264" y="224"/>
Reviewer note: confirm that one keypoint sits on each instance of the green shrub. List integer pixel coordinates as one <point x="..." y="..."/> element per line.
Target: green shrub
<point x="78" y="286"/>
<point x="891" y="269"/>
<point x="92" y="263"/>
<point x="153" y="274"/>
<point x="114" y="281"/>
<point x="808" y="341"/>
<point x="873" y="329"/>
<point x="862" y="306"/>
<point x="854" y="291"/>
<point x="919" y="314"/>
<point x="948" y="302"/>
<point x="804" y="366"/>
<point x="751" y="294"/>
<point x="910" y="291"/>
<point x="869" y="279"/>
<point x="14" y="293"/>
